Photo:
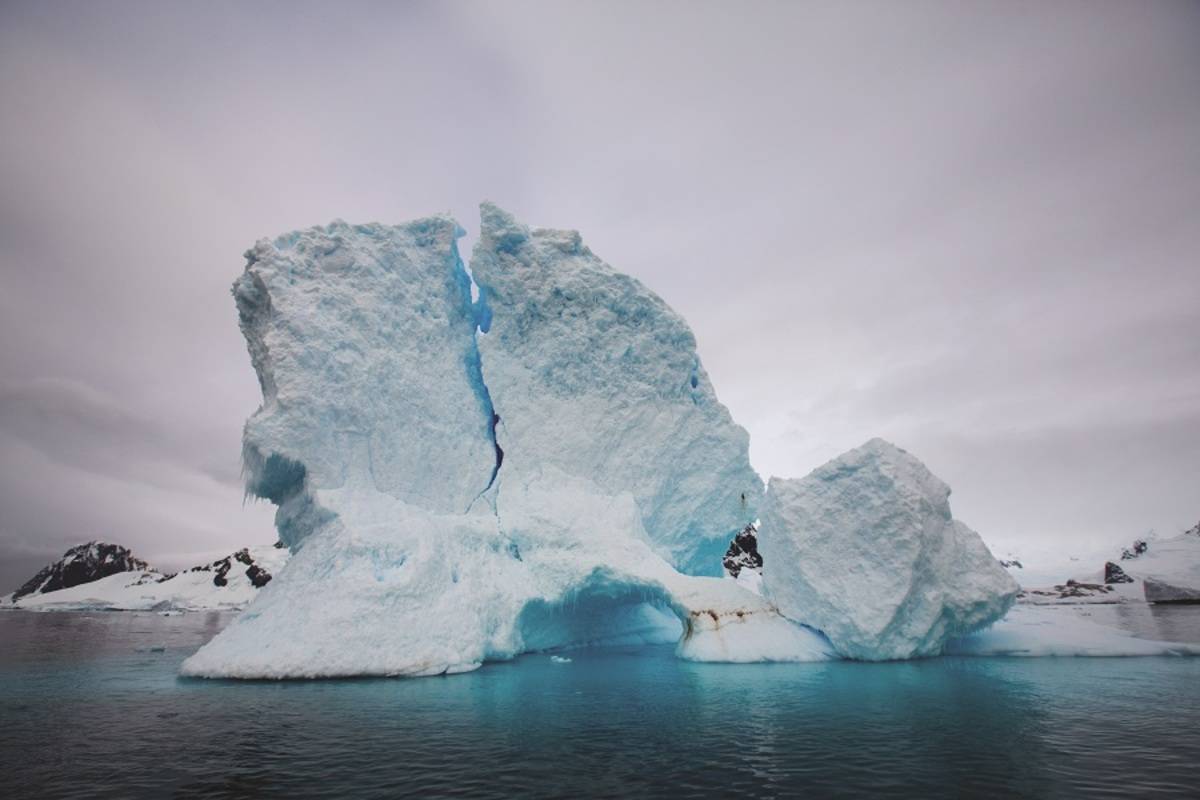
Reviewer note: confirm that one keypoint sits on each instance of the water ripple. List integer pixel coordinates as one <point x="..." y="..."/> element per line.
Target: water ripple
<point x="88" y="711"/>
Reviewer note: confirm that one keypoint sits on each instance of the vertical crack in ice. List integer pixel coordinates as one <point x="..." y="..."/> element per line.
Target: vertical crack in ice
<point x="499" y="451"/>
<point x="481" y="313"/>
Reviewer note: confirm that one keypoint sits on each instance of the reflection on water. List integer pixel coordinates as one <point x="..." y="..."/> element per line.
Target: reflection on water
<point x="91" y="703"/>
<point x="1167" y="623"/>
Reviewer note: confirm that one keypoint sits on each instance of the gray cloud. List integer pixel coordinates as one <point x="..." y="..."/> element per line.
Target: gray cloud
<point x="78" y="465"/>
<point x="967" y="228"/>
<point x="75" y="425"/>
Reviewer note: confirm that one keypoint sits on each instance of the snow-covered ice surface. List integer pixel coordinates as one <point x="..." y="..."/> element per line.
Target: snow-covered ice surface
<point x="865" y="549"/>
<point x="1165" y="570"/>
<point x="455" y="496"/>
<point x="1045" y="564"/>
<point x="149" y="590"/>
<point x="1169" y="569"/>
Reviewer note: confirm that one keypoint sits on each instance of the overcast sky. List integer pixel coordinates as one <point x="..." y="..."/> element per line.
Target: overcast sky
<point x="972" y="229"/>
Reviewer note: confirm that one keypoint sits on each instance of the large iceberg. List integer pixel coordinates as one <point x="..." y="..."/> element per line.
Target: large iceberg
<point x="465" y="481"/>
<point x="865" y="549"/>
<point x="531" y="457"/>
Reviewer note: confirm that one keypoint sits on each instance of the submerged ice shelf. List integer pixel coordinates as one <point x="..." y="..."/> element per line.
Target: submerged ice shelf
<point x="544" y="467"/>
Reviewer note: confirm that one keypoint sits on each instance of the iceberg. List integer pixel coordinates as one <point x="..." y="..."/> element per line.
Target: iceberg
<point x="865" y="550"/>
<point x="1161" y="591"/>
<point x="464" y="481"/>
<point x="530" y="457"/>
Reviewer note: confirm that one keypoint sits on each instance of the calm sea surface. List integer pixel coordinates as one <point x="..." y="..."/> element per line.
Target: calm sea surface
<point x="90" y="705"/>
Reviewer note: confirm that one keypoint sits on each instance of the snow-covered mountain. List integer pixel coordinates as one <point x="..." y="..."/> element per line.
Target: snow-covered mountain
<point x="1168" y="570"/>
<point x="1154" y="570"/>
<point x="83" y="563"/>
<point x="108" y="577"/>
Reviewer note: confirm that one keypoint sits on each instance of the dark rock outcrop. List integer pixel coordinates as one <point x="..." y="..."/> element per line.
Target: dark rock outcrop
<point x="1072" y="589"/>
<point x="220" y="568"/>
<point x="1139" y="546"/>
<point x="743" y="553"/>
<point x="258" y="576"/>
<point x="1114" y="574"/>
<point x="83" y="563"/>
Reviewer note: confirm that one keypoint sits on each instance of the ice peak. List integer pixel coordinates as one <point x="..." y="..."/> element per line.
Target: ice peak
<point x="877" y="444"/>
<point x="886" y="462"/>
<point x="500" y="229"/>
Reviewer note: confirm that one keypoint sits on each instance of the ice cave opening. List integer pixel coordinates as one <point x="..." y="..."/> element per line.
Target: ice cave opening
<point x="601" y="611"/>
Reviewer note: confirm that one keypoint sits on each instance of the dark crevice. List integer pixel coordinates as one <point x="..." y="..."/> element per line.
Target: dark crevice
<point x="481" y="313"/>
<point x="499" y="451"/>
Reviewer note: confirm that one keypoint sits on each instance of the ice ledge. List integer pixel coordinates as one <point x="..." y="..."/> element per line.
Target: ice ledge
<point x="390" y="589"/>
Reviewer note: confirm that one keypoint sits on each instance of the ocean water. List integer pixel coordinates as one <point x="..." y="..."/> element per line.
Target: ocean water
<point x="91" y="706"/>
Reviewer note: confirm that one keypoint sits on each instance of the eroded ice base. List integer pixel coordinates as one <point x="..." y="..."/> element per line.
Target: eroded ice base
<point x="387" y="588"/>
<point x="390" y="589"/>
